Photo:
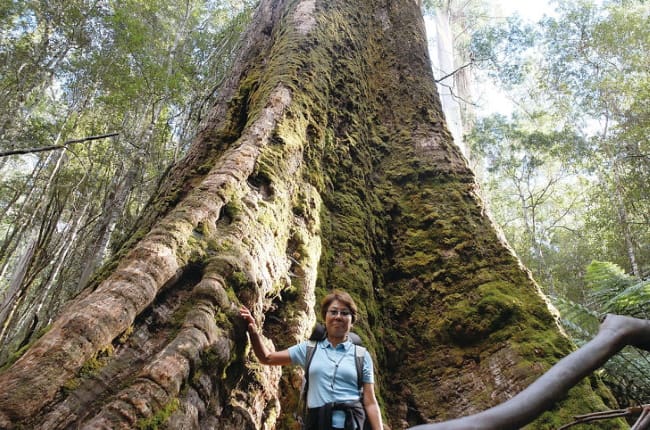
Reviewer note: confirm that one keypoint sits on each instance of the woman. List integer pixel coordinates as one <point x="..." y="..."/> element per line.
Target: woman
<point x="332" y="372"/>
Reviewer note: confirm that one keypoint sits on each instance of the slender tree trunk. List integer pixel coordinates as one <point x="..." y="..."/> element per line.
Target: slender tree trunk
<point x="33" y="266"/>
<point x="325" y="164"/>
<point x="38" y="314"/>
<point x="11" y="297"/>
<point x="32" y="315"/>
<point x="618" y="203"/>
<point x="35" y="206"/>
<point x="112" y="209"/>
<point x="621" y="211"/>
<point x="45" y="211"/>
<point x="23" y="192"/>
<point x="9" y="245"/>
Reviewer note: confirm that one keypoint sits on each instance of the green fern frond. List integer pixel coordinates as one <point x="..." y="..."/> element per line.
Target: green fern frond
<point x="578" y="320"/>
<point x="611" y="290"/>
<point x="628" y="375"/>
<point x="605" y="280"/>
<point x="633" y="301"/>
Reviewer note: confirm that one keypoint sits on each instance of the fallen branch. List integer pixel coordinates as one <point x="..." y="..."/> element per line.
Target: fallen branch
<point x="53" y="147"/>
<point x="615" y="333"/>
<point x="605" y="415"/>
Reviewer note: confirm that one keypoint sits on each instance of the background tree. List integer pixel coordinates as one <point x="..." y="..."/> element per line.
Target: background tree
<point x="536" y="192"/>
<point x="581" y="89"/>
<point x="141" y="71"/>
<point x="324" y="162"/>
<point x="577" y="124"/>
<point x="450" y="25"/>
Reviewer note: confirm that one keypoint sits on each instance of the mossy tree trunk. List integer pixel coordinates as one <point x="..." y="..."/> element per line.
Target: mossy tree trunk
<point x="326" y="163"/>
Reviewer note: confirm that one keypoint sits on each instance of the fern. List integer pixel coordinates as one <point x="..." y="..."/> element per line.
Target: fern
<point x="626" y="374"/>
<point x="578" y="320"/>
<point x="611" y="290"/>
<point x="633" y="301"/>
<point x="605" y="280"/>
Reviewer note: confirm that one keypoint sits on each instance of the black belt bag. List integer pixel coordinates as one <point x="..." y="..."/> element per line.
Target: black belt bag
<point x="321" y="418"/>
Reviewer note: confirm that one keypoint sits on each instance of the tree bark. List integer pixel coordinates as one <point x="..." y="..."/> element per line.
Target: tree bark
<point x="615" y="333"/>
<point x="325" y="164"/>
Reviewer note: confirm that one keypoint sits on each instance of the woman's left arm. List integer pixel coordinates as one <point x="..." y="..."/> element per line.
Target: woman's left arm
<point x="373" y="415"/>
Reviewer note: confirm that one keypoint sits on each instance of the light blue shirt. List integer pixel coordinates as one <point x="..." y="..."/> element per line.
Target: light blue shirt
<point x="332" y="374"/>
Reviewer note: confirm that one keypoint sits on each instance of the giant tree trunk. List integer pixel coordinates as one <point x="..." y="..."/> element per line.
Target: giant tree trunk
<point x="326" y="163"/>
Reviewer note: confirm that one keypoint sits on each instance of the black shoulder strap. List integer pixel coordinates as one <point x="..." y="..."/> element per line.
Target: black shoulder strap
<point x="359" y="355"/>
<point x="311" y="349"/>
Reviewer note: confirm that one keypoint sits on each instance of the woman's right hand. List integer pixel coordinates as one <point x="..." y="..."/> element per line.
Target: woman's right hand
<point x="246" y="314"/>
<point x="279" y="358"/>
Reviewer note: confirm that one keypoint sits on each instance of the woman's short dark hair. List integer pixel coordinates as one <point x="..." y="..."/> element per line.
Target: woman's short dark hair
<point x="342" y="297"/>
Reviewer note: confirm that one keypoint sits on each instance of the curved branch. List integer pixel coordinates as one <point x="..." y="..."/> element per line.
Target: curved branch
<point x="615" y="333"/>
<point x="53" y="147"/>
<point x="464" y="66"/>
